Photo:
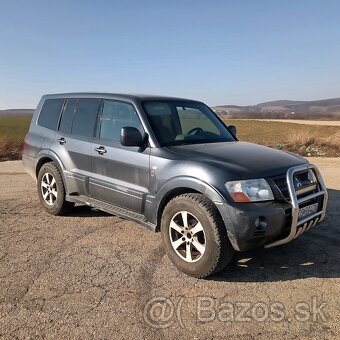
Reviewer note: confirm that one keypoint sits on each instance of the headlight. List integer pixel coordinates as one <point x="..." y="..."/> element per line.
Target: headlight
<point x="250" y="190"/>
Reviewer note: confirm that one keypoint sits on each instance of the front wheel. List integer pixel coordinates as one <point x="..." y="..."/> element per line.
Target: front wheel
<point x="51" y="190"/>
<point x="194" y="236"/>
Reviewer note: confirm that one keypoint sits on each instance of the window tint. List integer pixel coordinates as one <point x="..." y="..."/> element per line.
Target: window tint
<point x="192" y="117"/>
<point x="163" y="120"/>
<point x="67" y="117"/>
<point x="185" y="122"/>
<point x="116" y="115"/>
<point x="49" y="114"/>
<point x="85" y="117"/>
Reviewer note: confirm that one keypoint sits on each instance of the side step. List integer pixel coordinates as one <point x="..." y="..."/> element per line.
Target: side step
<point x="112" y="209"/>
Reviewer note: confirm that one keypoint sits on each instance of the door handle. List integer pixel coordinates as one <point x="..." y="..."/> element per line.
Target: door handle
<point x="61" y="141"/>
<point x="101" y="150"/>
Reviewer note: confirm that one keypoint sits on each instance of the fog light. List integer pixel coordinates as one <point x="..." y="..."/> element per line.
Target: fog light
<point x="261" y="223"/>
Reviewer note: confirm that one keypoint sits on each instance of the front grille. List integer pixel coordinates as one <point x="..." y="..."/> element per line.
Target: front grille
<point x="302" y="176"/>
<point x="305" y="187"/>
<point x="304" y="182"/>
<point x="281" y="183"/>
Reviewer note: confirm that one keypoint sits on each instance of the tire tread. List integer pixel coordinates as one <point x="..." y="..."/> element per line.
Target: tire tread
<point x="224" y="248"/>
<point x="64" y="207"/>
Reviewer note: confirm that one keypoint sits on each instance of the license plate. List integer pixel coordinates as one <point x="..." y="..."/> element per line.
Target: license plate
<point x="307" y="211"/>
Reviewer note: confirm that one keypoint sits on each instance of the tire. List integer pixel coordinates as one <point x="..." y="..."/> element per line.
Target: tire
<point x="51" y="190"/>
<point x="205" y="230"/>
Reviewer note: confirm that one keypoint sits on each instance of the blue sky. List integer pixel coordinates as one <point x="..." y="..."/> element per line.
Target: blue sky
<point x="222" y="52"/>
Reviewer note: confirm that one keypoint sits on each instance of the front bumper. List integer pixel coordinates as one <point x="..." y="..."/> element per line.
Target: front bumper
<point x="300" y="226"/>
<point x="274" y="223"/>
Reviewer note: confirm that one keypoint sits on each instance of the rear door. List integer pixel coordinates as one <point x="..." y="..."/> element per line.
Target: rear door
<point x="120" y="174"/>
<point x="74" y="141"/>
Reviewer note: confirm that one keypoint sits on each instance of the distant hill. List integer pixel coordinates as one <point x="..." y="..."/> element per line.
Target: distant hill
<point x="316" y="109"/>
<point x="17" y="112"/>
<point x="280" y="109"/>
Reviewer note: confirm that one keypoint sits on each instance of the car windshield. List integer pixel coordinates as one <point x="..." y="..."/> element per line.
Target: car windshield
<point x="185" y="122"/>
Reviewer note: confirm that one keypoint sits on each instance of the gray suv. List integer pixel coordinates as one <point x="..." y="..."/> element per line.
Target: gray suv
<point x="172" y="165"/>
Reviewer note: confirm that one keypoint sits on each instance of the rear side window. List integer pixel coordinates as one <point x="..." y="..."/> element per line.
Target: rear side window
<point x="85" y="117"/>
<point x="67" y="117"/>
<point x="49" y="114"/>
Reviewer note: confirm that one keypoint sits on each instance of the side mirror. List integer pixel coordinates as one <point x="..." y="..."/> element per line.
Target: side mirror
<point x="232" y="129"/>
<point x="130" y="136"/>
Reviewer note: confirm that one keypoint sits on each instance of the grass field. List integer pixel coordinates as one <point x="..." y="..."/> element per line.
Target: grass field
<point x="14" y="126"/>
<point x="12" y="133"/>
<point x="306" y="140"/>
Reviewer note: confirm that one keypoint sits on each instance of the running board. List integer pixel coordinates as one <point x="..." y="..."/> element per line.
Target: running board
<point x="112" y="209"/>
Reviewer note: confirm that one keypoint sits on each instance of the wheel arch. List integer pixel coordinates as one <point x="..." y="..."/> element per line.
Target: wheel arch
<point x="47" y="156"/>
<point x="183" y="185"/>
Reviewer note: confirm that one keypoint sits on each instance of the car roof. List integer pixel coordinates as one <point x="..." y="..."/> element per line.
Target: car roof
<point x="117" y="96"/>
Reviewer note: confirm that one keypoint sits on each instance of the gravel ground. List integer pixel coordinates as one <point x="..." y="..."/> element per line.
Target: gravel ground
<point x="92" y="275"/>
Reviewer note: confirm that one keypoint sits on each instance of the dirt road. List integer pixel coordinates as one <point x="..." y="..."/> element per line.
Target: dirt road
<point x="306" y="122"/>
<point x="90" y="275"/>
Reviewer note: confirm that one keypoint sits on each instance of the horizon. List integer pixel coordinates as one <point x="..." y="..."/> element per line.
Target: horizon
<point x="218" y="105"/>
<point x="222" y="53"/>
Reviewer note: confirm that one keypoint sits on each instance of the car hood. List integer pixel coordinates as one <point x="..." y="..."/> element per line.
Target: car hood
<point x="241" y="159"/>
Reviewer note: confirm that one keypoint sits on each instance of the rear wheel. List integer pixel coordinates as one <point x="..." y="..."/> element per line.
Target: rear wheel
<point x="51" y="190"/>
<point x="194" y="236"/>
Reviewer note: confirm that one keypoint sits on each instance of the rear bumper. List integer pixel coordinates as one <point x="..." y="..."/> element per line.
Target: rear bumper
<point x="29" y="165"/>
<point x="273" y="223"/>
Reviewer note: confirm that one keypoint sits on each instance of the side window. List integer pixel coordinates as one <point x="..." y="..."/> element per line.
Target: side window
<point x="49" y="114"/>
<point x="85" y="117"/>
<point x="116" y="115"/>
<point x="67" y="117"/>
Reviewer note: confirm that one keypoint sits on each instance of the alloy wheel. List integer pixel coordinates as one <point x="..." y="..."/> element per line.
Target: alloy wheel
<point x="49" y="188"/>
<point x="187" y="236"/>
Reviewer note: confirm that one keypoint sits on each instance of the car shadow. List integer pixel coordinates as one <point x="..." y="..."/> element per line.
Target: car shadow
<point x="314" y="254"/>
<point x="86" y="211"/>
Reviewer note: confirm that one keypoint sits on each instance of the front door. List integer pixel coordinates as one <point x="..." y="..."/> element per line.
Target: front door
<point x="120" y="174"/>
